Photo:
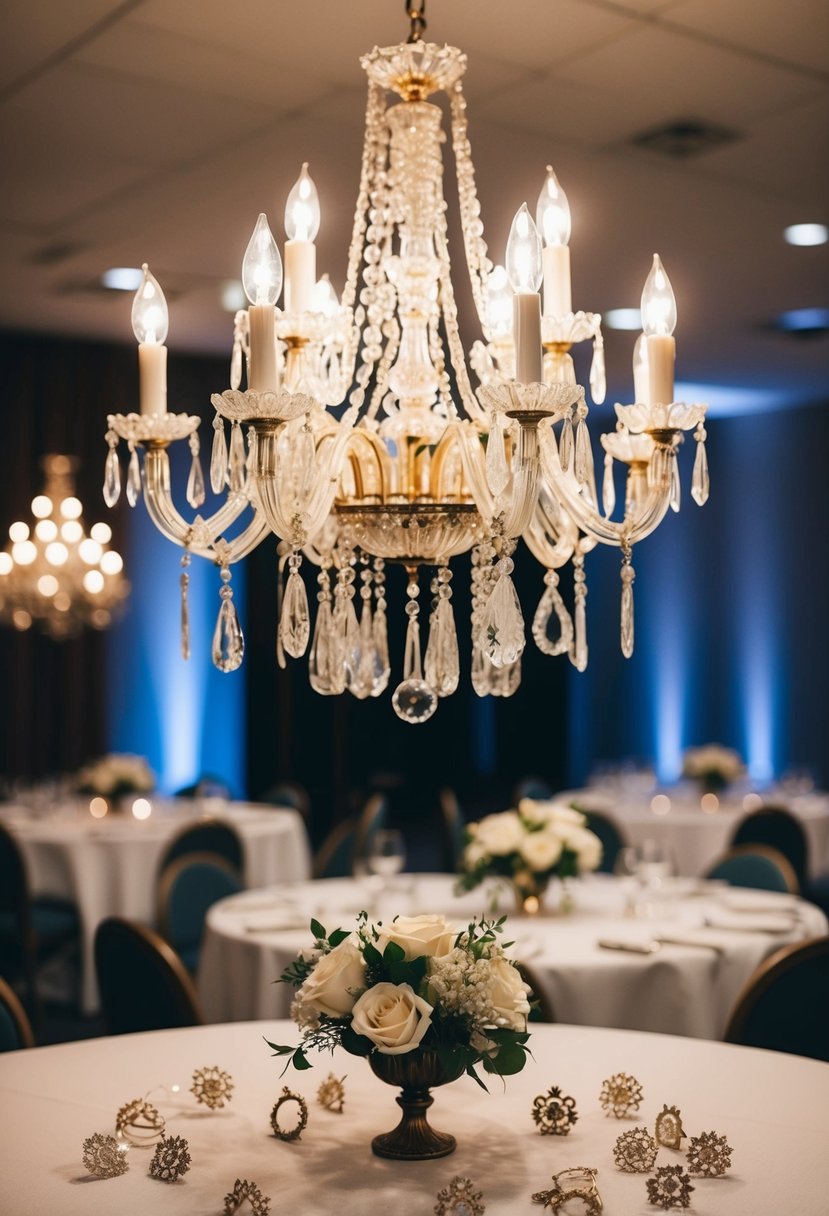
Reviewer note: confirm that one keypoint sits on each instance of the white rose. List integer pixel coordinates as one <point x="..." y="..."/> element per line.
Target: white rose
<point x="508" y="995"/>
<point x="473" y="854"/>
<point x="587" y="847"/>
<point x="541" y="850"/>
<point x="393" y="1016"/>
<point x="431" y="936"/>
<point x="333" y="985"/>
<point x="501" y="834"/>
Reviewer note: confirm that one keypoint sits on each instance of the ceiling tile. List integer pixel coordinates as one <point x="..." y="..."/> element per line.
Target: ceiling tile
<point x="37" y="29"/>
<point x="796" y="32"/>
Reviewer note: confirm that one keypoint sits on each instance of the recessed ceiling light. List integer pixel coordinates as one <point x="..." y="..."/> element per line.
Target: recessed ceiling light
<point x="122" y="278"/>
<point x="804" y="320"/>
<point x="806" y="234"/>
<point x="622" y="318"/>
<point x="233" y="296"/>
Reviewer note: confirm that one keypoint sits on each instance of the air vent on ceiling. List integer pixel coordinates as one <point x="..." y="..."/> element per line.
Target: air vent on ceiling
<point x="684" y="138"/>
<point x="50" y="255"/>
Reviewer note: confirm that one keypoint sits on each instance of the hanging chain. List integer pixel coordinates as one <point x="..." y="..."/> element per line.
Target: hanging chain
<point x="416" y="12"/>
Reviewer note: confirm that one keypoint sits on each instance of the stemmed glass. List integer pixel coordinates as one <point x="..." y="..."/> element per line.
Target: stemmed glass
<point x="386" y="857"/>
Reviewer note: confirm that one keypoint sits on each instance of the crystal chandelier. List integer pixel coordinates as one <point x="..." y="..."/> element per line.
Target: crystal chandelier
<point x="417" y="466"/>
<point x="51" y="573"/>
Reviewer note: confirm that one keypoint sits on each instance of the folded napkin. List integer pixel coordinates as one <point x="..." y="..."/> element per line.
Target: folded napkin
<point x="740" y="922"/>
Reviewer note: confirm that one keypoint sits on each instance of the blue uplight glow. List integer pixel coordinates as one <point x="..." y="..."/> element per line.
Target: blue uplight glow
<point x="804" y="320"/>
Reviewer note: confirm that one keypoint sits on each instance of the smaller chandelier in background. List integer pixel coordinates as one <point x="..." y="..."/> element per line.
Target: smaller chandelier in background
<point x="52" y="573"/>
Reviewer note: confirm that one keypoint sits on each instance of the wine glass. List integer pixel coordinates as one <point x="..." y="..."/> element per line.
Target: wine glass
<point x="386" y="853"/>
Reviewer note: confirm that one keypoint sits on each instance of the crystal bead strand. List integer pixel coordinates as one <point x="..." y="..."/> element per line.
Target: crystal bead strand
<point x="195" y="480"/>
<point x="228" y="640"/>
<point x="133" y="476"/>
<point x="218" y="458"/>
<point x="184" y="583"/>
<point x="294" y="621"/>
<point x="442" y="661"/>
<point x="477" y="259"/>
<point x="583" y="461"/>
<point x="551" y="606"/>
<point x="381" y="637"/>
<point x="628" y="575"/>
<point x="112" y="471"/>
<point x="363" y="683"/>
<point x="578" y="650"/>
<point x="700" y="484"/>
<point x="413" y="700"/>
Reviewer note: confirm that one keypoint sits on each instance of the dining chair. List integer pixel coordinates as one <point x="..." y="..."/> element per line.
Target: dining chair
<point x="335" y="856"/>
<point x="15" y="1030"/>
<point x="785" y="1004"/>
<point x="454" y="828"/>
<point x="143" y="983"/>
<point x="543" y="1006"/>
<point x="757" y="866"/>
<point x="372" y="819"/>
<point x="31" y="929"/>
<point x="535" y="788"/>
<point x="206" y="836"/>
<point x="611" y="837"/>
<point x="289" y="794"/>
<point x="188" y="887"/>
<point x="207" y="786"/>
<point x="779" y="829"/>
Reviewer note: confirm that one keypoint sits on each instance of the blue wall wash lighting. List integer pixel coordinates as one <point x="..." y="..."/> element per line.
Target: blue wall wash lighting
<point x="188" y="718"/>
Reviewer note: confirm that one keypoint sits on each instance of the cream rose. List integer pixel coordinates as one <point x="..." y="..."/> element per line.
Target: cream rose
<point x="500" y="834"/>
<point x="541" y="850"/>
<point x="508" y="995"/>
<point x="587" y="847"/>
<point x="431" y="936"/>
<point x="334" y="984"/>
<point x="393" y="1017"/>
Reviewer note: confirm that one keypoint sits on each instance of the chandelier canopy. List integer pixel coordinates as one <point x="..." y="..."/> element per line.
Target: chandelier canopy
<point x="54" y="575"/>
<point x="359" y="438"/>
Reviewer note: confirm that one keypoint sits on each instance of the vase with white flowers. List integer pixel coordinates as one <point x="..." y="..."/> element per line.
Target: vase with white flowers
<point x="423" y="1002"/>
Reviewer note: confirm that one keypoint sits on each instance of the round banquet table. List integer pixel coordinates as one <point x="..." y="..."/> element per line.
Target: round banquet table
<point x="109" y="867"/>
<point x="770" y="1107"/>
<point x="686" y="989"/>
<point x="693" y="838"/>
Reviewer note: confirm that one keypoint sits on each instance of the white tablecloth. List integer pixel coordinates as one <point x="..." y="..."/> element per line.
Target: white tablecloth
<point x="109" y="867"/>
<point x="686" y="989"/>
<point x="695" y="838"/>
<point x="771" y="1108"/>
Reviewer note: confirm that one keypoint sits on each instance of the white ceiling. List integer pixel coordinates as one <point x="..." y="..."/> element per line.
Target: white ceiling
<point x="157" y="130"/>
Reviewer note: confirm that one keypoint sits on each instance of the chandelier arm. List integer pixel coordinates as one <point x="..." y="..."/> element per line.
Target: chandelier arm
<point x="166" y="517"/>
<point x="474" y="467"/>
<point x="550" y="549"/>
<point x="589" y="520"/>
<point x="524" y="495"/>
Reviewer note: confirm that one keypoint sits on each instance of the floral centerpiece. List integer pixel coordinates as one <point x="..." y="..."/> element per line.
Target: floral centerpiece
<point x="528" y="846"/>
<point x="422" y="1001"/>
<point x="115" y="776"/>
<point x="713" y="766"/>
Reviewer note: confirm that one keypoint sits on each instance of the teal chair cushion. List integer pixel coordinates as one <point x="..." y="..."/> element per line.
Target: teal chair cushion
<point x="195" y="888"/>
<point x="750" y="870"/>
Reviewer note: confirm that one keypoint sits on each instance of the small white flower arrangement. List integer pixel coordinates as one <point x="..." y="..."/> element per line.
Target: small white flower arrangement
<point x="116" y="775"/>
<point x="713" y="765"/>
<point x="415" y="983"/>
<point x="529" y="845"/>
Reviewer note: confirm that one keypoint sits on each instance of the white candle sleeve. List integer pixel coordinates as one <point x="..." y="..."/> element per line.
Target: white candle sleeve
<point x="526" y="312"/>
<point x="557" y="295"/>
<point x="262" y="377"/>
<point x="152" y="373"/>
<point x="661" y="357"/>
<point x="300" y="275"/>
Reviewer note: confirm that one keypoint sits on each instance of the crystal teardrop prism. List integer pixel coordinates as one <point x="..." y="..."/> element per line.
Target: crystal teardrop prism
<point x="228" y="640"/>
<point x="628" y="575"/>
<point x="237" y="464"/>
<point x="294" y="623"/>
<point x="218" y="457"/>
<point x="565" y="444"/>
<point x="497" y="470"/>
<point x="442" y="660"/>
<point x="363" y="681"/>
<point x="184" y="583"/>
<point x="505" y="680"/>
<point x="320" y="658"/>
<point x="195" y="482"/>
<point x="582" y="441"/>
<point x="133" y="479"/>
<point x="351" y="651"/>
<point x="414" y="701"/>
<point x="676" y="488"/>
<point x="112" y="478"/>
<point x="608" y="487"/>
<point x="502" y="625"/>
<point x="700" y="484"/>
<point x="306" y="464"/>
<point x="598" y="379"/>
<point x="381" y="652"/>
<point x="551" y="611"/>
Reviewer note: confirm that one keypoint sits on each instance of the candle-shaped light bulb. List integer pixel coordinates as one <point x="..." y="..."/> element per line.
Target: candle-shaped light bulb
<point x="658" y="302"/>
<point x="324" y="298"/>
<point x="150" y="318"/>
<point x="552" y="214"/>
<point x="498" y="303"/>
<point x="524" y="268"/>
<point x="658" y="321"/>
<point x="262" y="265"/>
<point x="302" y="210"/>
